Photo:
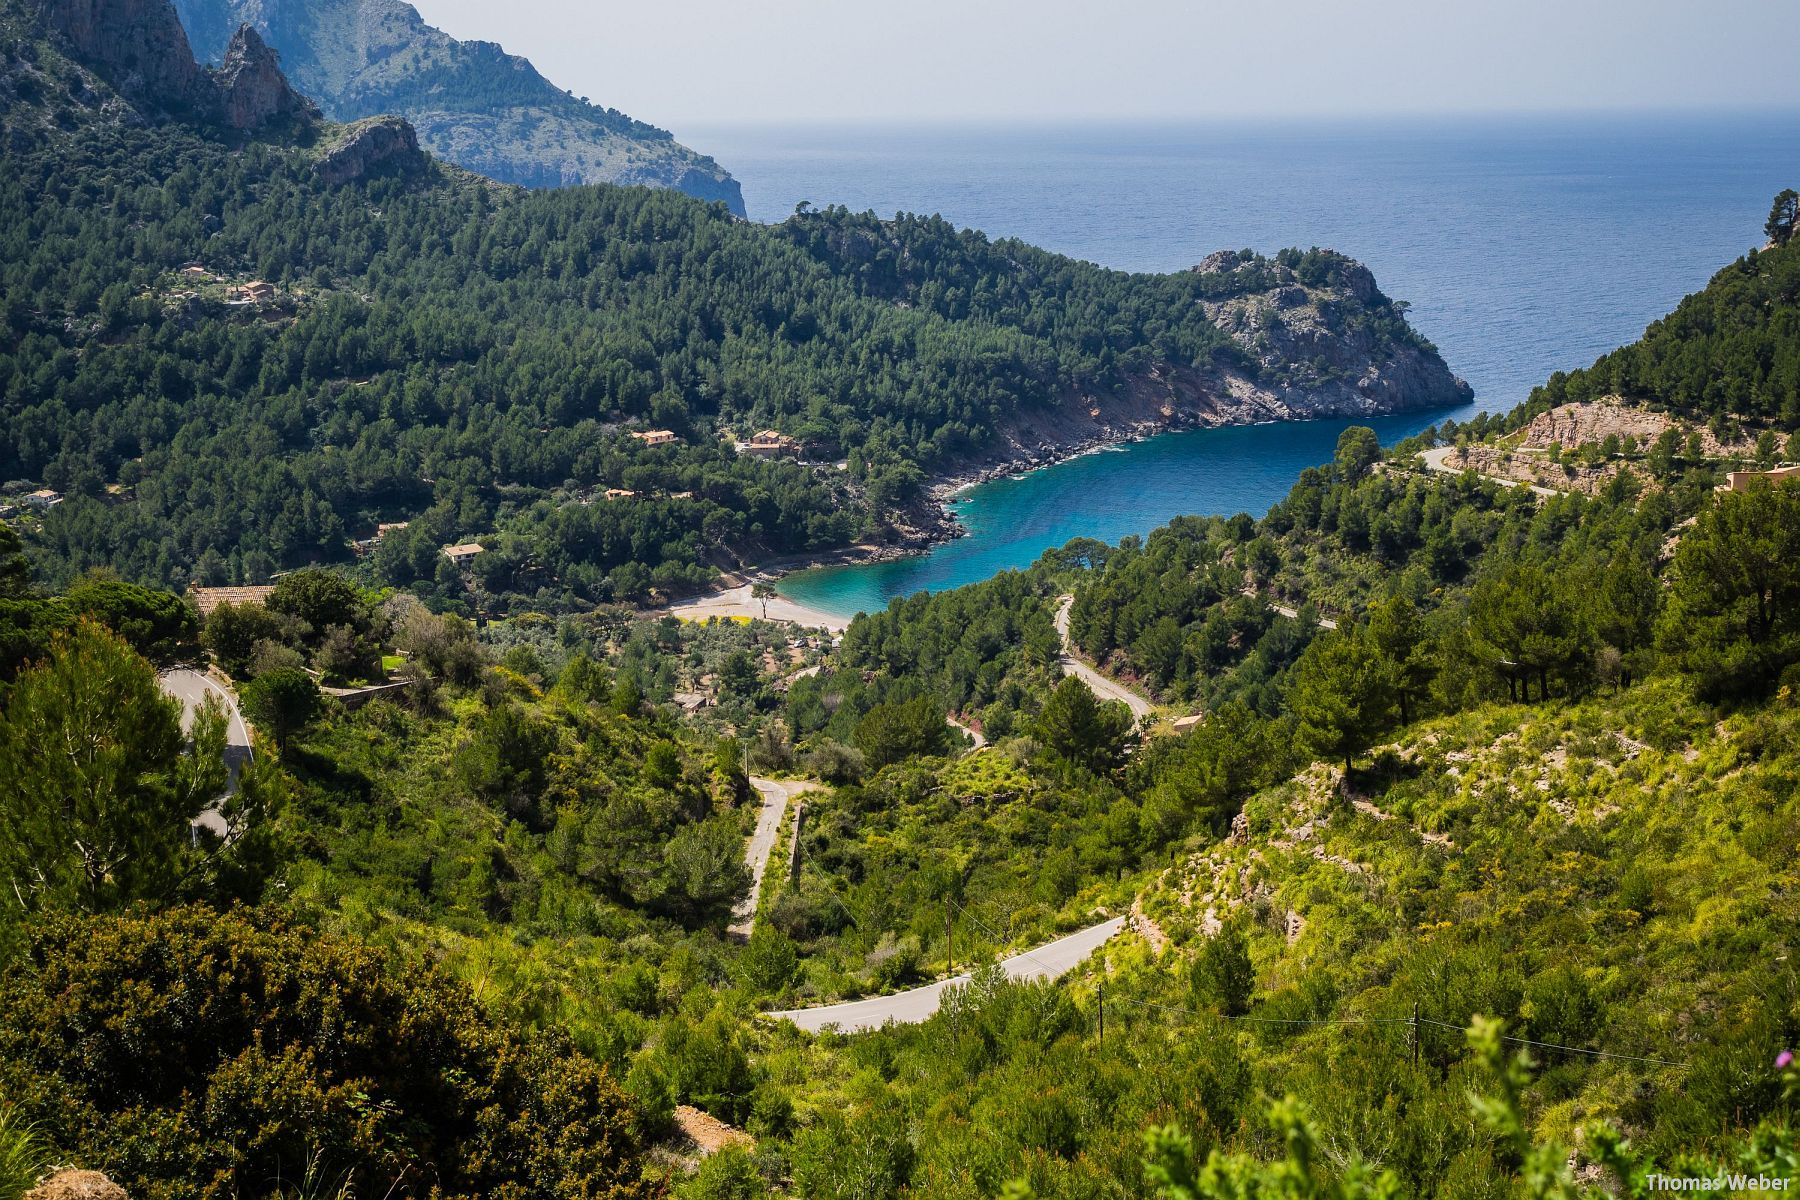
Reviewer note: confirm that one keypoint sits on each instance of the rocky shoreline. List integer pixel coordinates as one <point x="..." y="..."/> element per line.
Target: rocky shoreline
<point x="932" y="521"/>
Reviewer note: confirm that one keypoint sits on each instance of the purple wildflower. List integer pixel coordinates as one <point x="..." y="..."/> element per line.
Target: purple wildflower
<point x="1784" y="1060"/>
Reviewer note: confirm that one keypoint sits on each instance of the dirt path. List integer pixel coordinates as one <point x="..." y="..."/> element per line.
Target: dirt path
<point x="192" y="688"/>
<point x="974" y="733"/>
<point x="911" y="1007"/>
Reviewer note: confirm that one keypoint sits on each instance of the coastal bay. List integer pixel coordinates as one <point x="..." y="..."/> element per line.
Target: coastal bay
<point x="1107" y="494"/>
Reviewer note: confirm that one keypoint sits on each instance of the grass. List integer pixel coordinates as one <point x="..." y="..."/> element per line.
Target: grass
<point x="23" y="1156"/>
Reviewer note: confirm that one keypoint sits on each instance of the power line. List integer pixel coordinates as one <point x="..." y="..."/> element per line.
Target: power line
<point x="1661" y="1062"/>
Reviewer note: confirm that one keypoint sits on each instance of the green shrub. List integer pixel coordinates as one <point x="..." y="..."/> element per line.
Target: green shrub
<point x="198" y="1055"/>
<point x="1223" y="976"/>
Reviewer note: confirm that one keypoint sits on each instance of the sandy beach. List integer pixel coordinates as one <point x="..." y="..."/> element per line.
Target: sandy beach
<point x="737" y="602"/>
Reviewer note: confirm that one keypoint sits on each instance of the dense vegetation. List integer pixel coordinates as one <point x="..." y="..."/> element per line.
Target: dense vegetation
<point x="475" y="358"/>
<point x="1194" y="599"/>
<point x="201" y="1054"/>
<point x="1535" y="780"/>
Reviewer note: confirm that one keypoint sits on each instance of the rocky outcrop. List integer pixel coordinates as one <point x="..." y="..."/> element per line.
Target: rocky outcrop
<point x="378" y="144"/>
<point x="77" y="1185"/>
<point x="253" y="92"/>
<point x="139" y="48"/>
<point x="1321" y="339"/>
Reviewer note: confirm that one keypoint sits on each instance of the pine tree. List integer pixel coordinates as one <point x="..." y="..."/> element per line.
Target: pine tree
<point x="1783" y="215"/>
<point x="107" y="821"/>
<point x="1081" y="729"/>
<point x="1342" y="694"/>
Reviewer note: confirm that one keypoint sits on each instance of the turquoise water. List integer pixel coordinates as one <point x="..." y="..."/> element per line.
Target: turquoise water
<point x="1107" y="495"/>
<point x="1524" y="245"/>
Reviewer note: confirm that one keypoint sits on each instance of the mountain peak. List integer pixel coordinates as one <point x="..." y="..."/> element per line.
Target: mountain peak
<point x="140" y="49"/>
<point x="472" y="103"/>
<point x="252" y="88"/>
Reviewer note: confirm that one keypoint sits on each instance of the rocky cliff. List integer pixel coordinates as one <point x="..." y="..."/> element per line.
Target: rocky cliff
<point x="378" y="144"/>
<point x="139" y="49"/>
<point x="252" y="90"/>
<point x="471" y="102"/>
<point x="1319" y="335"/>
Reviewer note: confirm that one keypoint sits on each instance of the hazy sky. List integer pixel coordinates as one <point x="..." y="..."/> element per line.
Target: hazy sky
<point x="678" y="61"/>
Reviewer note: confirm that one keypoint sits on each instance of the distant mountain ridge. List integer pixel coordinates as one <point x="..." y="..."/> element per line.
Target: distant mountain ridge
<point x="471" y="102"/>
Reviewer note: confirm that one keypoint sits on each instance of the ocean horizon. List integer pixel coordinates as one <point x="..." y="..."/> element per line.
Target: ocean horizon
<point x="1523" y="245"/>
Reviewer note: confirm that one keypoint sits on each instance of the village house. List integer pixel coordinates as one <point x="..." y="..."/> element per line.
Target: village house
<point x="769" y="443"/>
<point x="1739" y="481"/>
<point x="195" y="273"/>
<point x="464" y="554"/>
<point x="206" y="599"/>
<point x="44" y="498"/>
<point x="656" y="437"/>
<point x="619" y="493"/>
<point x="254" y="292"/>
<point x="367" y="545"/>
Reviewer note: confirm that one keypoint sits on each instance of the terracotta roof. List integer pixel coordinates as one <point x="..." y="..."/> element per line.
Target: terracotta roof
<point x="208" y="598"/>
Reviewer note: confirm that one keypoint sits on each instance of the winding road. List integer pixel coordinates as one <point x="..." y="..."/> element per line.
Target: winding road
<point x="776" y="795"/>
<point x="975" y="734"/>
<point x="1437" y="460"/>
<point x="1101" y="686"/>
<point x="192" y="688"/>
<point x="1049" y="961"/>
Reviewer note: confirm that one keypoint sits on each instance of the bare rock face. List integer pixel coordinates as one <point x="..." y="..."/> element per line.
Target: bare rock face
<point x="77" y="1185"/>
<point x="380" y="142"/>
<point x="252" y="88"/>
<point x="141" y="50"/>
<point x="137" y="46"/>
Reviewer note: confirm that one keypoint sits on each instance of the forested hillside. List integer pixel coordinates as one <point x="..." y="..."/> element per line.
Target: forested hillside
<point x="477" y="357"/>
<point x="1730" y="350"/>
<point x="1454" y="856"/>
<point x="1537" y="783"/>
<point x="473" y="104"/>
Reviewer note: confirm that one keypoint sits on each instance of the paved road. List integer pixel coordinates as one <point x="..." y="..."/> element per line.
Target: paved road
<point x="1103" y="687"/>
<point x="1436" y="460"/>
<point x="192" y="688"/>
<point x="909" y="1008"/>
<point x="776" y="795"/>
<point x="975" y="734"/>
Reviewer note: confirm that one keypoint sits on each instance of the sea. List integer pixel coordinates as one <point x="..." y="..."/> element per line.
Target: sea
<point x="1524" y="245"/>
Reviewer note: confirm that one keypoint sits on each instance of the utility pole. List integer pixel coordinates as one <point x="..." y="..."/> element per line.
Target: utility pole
<point x="1415" y="1035"/>
<point x="949" y="938"/>
<point x="1103" y="1012"/>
